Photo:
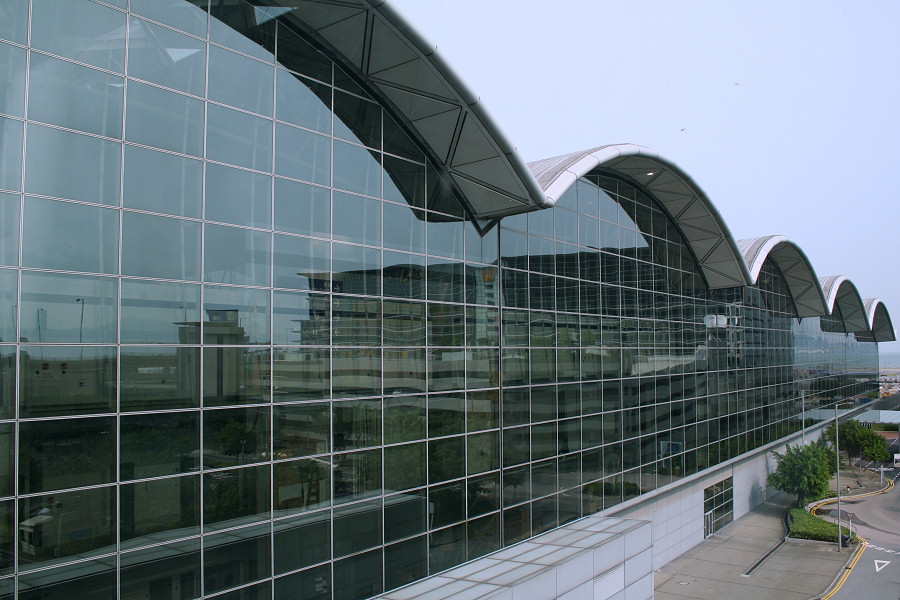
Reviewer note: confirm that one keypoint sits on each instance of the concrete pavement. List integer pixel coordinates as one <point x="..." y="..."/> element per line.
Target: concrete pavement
<point x="715" y="569"/>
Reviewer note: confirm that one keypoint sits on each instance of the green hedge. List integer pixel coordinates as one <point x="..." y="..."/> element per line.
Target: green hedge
<point x="805" y="526"/>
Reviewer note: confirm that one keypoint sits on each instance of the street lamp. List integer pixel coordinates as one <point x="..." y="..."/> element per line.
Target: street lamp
<point x="81" y="325"/>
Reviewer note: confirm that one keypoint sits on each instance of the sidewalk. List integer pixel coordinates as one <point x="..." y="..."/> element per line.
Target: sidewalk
<point x="714" y="569"/>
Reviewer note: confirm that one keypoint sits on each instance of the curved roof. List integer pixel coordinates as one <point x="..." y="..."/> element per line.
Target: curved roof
<point x="840" y="293"/>
<point x="371" y="39"/>
<point x="704" y="230"/>
<point x="879" y="320"/>
<point x="809" y="299"/>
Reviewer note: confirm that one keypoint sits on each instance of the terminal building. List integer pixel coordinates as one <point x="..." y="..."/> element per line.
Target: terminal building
<point x="284" y="315"/>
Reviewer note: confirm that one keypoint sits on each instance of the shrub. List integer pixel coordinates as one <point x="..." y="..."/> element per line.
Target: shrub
<point x="806" y="526"/>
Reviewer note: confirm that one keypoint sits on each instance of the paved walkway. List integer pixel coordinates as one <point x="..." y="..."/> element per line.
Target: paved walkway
<point x="796" y="570"/>
<point x="714" y="569"/>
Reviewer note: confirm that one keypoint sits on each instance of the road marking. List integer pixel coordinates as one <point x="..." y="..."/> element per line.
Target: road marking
<point x="880" y="564"/>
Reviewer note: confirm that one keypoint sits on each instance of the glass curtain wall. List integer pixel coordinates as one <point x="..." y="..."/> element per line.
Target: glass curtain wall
<point x="252" y="347"/>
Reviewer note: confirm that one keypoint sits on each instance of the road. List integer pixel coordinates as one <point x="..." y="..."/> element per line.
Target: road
<point x="877" y="519"/>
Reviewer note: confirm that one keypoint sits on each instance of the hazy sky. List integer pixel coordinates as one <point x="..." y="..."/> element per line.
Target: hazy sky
<point x="787" y="114"/>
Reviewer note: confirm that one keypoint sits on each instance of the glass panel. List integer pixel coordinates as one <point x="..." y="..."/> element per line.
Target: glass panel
<point x="301" y="319"/>
<point x="311" y="584"/>
<point x="240" y="81"/>
<point x="302" y="102"/>
<point x="243" y="27"/>
<point x="98" y="580"/>
<point x="446" y="281"/>
<point x="446" y="414"/>
<point x="160" y="247"/>
<point x="12" y="88"/>
<point x="302" y="208"/>
<point x="9" y="241"/>
<point x="66" y="453"/>
<point x="174" y="13"/>
<point x="235" y="376"/>
<point x="302" y="263"/>
<point x="404" y="228"/>
<point x="357" y="169"/>
<point x="445" y="238"/>
<point x="302" y="485"/>
<point x="69" y="524"/>
<point x="68" y="308"/>
<point x="404" y="275"/>
<point x="238" y="197"/>
<point x="446" y="458"/>
<point x="164" y="119"/>
<point x="357" y="120"/>
<point x="357" y="475"/>
<point x="357" y="321"/>
<point x="236" y="316"/>
<point x="7" y="391"/>
<point x="9" y="287"/>
<point x="158" y="444"/>
<point x="74" y="237"/>
<point x="156" y="312"/>
<point x="11" y="135"/>
<point x="236" y="557"/>
<point x="404" y="370"/>
<point x="238" y="138"/>
<point x="356" y="269"/>
<point x="357" y="527"/>
<point x="356" y="423"/>
<point x="235" y="436"/>
<point x="297" y="55"/>
<point x="81" y="30"/>
<point x="14" y="21"/>
<point x="404" y="181"/>
<point x="358" y="576"/>
<point x="236" y="497"/>
<point x="75" y="97"/>
<point x="302" y="429"/>
<point x="302" y="155"/>
<point x="446" y="369"/>
<point x="161" y="182"/>
<point x="70" y="165"/>
<point x="302" y="541"/>
<point x="404" y="466"/>
<point x="168" y="571"/>
<point x="357" y="219"/>
<point x="300" y="374"/>
<point x="446" y="325"/>
<point x="56" y="380"/>
<point x="159" y="378"/>
<point x="158" y="510"/>
<point x="404" y="419"/>
<point x="238" y="256"/>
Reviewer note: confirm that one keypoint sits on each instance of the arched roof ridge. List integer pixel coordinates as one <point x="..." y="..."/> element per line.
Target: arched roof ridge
<point x="879" y="320"/>
<point x="839" y="290"/>
<point x="691" y="210"/>
<point x="803" y="283"/>
<point x="379" y="46"/>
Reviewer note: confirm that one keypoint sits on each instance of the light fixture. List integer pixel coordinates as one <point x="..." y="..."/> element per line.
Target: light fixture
<point x="650" y="173"/>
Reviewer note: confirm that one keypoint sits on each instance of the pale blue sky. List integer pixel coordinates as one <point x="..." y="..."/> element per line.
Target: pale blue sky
<point x="789" y="110"/>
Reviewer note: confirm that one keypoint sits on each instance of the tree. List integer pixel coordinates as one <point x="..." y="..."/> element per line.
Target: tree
<point x="858" y="440"/>
<point x="804" y="471"/>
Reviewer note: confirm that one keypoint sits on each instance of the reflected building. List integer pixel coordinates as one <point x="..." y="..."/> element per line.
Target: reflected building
<point x="281" y="315"/>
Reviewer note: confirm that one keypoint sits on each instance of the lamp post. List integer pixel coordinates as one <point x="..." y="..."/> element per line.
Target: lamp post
<point x="81" y="325"/>
<point x="837" y="453"/>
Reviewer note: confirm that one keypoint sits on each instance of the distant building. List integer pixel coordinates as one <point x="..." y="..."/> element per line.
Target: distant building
<point x="283" y="315"/>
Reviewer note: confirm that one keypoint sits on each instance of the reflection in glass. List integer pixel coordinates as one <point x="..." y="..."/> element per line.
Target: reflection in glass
<point x="9" y="287"/>
<point x="404" y="418"/>
<point x="302" y="102"/>
<point x="302" y="541"/>
<point x="302" y="485"/>
<point x="235" y="436"/>
<point x="302" y="263"/>
<point x="301" y="154"/>
<point x="74" y="237"/>
<point x="240" y="81"/>
<point x="357" y="169"/>
<point x="160" y="247"/>
<point x="236" y="557"/>
<point x="238" y="138"/>
<point x="66" y="453"/>
<point x="168" y="569"/>
<point x="357" y="475"/>
<point x="356" y="269"/>
<point x="404" y="370"/>
<point x="66" y="380"/>
<point x="11" y="134"/>
<point x="238" y="197"/>
<point x="159" y="509"/>
<point x="160" y="312"/>
<point x="236" y="496"/>
<point x="154" y="445"/>
<point x="81" y="30"/>
<point x="235" y="315"/>
<point x="356" y="424"/>
<point x="236" y="256"/>
<point x="302" y="208"/>
<point x="357" y="219"/>
<point x="75" y="97"/>
<point x="164" y="119"/>
<point x="160" y="55"/>
<point x="301" y="429"/>
<point x="235" y="376"/>
<point x="162" y="182"/>
<point x="69" y="524"/>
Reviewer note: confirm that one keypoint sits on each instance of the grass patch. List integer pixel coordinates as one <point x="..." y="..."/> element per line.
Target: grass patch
<point x="806" y="526"/>
<point x="884" y="427"/>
